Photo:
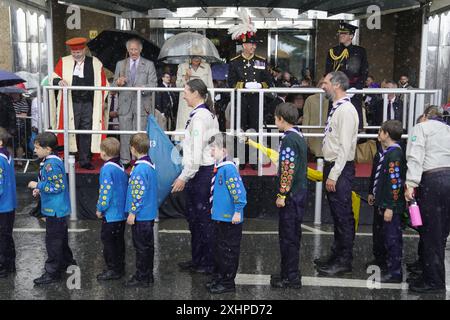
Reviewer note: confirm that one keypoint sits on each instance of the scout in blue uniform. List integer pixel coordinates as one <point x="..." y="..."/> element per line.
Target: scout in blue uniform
<point x="8" y="205"/>
<point x="142" y="207"/>
<point x="52" y="187"/>
<point x="388" y="192"/>
<point x="228" y="198"/>
<point x="291" y="197"/>
<point x="111" y="209"/>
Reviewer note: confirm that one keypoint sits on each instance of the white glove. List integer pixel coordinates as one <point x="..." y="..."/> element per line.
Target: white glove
<point x="253" y="85"/>
<point x="217" y="97"/>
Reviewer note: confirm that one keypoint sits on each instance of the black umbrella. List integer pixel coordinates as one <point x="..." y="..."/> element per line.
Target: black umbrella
<point x="109" y="47"/>
<point x="9" y="79"/>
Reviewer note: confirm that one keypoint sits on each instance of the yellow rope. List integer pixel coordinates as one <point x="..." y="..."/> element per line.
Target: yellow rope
<point x="337" y="64"/>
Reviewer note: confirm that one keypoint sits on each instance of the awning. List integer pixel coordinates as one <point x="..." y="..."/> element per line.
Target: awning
<point x="143" y="8"/>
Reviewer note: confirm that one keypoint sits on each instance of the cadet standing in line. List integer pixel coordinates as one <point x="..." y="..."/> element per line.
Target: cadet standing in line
<point x="53" y="189"/>
<point x="111" y="209"/>
<point x="339" y="147"/>
<point x="352" y="60"/>
<point x="8" y="204"/>
<point x="142" y="208"/>
<point x="291" y="198"/>
<point x="228" y="198"/>
<point x="387" y="193"/>
<point x="428" y="156"/>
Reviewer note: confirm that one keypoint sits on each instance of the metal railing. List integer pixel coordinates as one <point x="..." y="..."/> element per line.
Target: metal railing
<point x="21" y="140"/>
<point x="413" y="107"/>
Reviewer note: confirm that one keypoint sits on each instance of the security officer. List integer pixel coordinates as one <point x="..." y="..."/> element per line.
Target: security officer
<point x="249" y="71"/>
<point x="352" y="60"/>
<point x="428" y="156"/>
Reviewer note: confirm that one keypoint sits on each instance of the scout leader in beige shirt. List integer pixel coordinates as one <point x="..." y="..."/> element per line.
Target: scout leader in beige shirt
<point x="339" y="143"/>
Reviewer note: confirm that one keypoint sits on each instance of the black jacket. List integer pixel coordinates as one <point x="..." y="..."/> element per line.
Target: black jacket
<point x="7" y="114"/>
<point x="163" y="102"/>
<point x="378" y="111"/>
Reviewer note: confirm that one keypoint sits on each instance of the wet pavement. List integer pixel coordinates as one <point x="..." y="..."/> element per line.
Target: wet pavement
<point x="259" y="258"/>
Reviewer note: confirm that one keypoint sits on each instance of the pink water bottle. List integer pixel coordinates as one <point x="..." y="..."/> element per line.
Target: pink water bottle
<point x="414" y="214"/>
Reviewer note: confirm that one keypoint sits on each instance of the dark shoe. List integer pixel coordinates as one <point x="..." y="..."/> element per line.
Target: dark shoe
<point x="3" y="273"/>
<point x="242" y="166"/>
<point x="201" y="270"/>
<point x="186" y="265"/>
<point x="109" y="275"/>
<point x="388" y="278"/>
<point x="219" y="288"/>
<point x="413" y="277"/>
<point x="415" y="267"/>
<point x="324" y="261"/>
<point x="88" y="166"/>
<point x="211" y="283"/>
<point x="421" y="287"/>
<point x="334" y="269"/>
<point x="276" y="282"/>
<point x="46" y="278"/>
<point x="134" y="282"/>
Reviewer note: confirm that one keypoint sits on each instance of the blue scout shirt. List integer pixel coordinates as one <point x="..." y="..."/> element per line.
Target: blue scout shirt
<point x="229" y="195"/>
<point x="53" y="188"/>
<point x="113" y="191"/>
<point x="8" y="200"/>
<point x="141" y="193"/>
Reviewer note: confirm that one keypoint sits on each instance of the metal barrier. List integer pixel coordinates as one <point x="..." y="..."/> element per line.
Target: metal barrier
<point x="414" y="111"/>
<point x="21" y="140"/>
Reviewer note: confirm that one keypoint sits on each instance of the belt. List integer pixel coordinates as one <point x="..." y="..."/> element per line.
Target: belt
<point x="444" y="169"/>
<point x="329" y="163"/>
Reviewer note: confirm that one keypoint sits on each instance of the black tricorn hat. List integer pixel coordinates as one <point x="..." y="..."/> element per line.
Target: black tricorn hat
<point x="345" y="27"/>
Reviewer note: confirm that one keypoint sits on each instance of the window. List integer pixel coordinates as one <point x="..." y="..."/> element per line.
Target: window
<point x="28" y="30"/>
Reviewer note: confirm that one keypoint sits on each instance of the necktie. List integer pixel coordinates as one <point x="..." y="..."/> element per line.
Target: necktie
<point x="133" y="73"/>
<point x="380" y="166"/>
<point x="391" y="113"/>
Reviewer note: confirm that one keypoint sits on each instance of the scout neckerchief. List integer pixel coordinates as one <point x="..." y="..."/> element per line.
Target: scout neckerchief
<point x="294" y="130"/>
<point x="146" y="160"/>
<point x="380" y="166"/>
<point x="335" y="106"/>
<point x="213" y="179"/>
<point x="440" y="119"/>
<point x="193" y="112"/>
<point x="115" y="162"/>
<point x="4" y="151"/>
<point x="48" y="167"/>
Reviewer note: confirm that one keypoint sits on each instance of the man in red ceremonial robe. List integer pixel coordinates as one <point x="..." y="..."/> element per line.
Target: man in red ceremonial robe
<point x="86" y="108"/>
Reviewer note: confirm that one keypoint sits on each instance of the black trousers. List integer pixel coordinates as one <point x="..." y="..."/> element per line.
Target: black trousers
<point x="7" y="248"/>
<point x="341" y="211"/>
<point x="113" y="239"/>
<point x="226" y="253"/>
<point x="434" y="204"/>
<point x="82" y="113"/>
<point x="57" y="243"/>
<point x="143" y="241"/>
<point x="198" y="215"/>
<point x="290" y="234"/>
<point x="357" y="102"/>
<point x="388" y="241"/>
<point x="249" y="120"/>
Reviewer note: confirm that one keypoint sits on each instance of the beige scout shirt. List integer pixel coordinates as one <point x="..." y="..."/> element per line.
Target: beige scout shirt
<point x="428" y="148"/>
<point x="339" y="144"/>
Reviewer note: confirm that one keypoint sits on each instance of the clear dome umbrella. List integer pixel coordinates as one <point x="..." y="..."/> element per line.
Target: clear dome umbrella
<point x="183" y="46"/>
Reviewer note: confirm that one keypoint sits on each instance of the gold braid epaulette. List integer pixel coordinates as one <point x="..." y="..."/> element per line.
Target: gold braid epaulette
<point x="337" y="64"/>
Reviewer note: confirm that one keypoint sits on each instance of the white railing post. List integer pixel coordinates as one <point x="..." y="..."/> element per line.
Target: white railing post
<point x="260" y="131"/>
<point x="66" y="129"/>
<point x="318" y="202"/>
<point x="138" y="111"/>
<point x="72" y="189"/>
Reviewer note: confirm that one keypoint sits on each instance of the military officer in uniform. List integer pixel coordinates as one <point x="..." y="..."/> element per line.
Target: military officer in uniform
<point x="352" y="60"/>
<point x="248" y="70"/>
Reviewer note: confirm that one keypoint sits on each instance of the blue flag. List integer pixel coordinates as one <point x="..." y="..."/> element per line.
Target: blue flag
<point x="166" y="158"/>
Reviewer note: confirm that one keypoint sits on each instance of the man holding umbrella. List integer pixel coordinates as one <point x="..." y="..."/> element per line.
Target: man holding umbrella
<point x="135" y="71"/>
<point x="85" y="107"/>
